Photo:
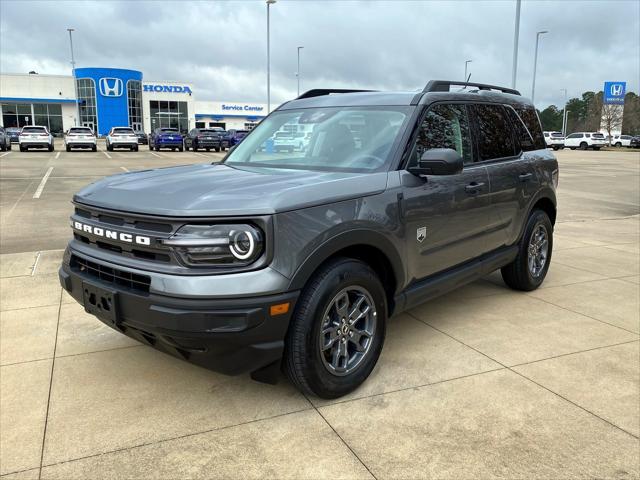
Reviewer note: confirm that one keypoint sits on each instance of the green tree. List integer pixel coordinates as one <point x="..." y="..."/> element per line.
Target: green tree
<point x="631" y="115"/>
<point x="551" y="119"/>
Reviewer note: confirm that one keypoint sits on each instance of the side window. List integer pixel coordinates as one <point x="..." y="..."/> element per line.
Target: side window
<point x="523" y="137"/>
<point x="530" y="118"/>
<point x="444" y="126"/>
<point x="495" y="139"/>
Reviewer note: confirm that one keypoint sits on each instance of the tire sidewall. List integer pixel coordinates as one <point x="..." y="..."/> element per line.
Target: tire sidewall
<point x="538" y="217"/>
<point x="343" y="274"/>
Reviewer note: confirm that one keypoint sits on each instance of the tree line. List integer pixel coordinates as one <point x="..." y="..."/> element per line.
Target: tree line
<point x="585" y="114"/>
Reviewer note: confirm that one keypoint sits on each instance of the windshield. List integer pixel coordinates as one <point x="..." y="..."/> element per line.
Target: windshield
<point x="352" y="139"/>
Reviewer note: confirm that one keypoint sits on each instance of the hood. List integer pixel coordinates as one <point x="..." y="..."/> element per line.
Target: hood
<point x="219" y="190"/>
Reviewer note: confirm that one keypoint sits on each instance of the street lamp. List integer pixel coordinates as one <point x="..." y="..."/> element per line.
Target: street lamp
<point x="564" y="113"/>
<point x="73" y="75"/>
<point x="535" y="64"/>
<point x="298" y="71"/>
<point x="269" y="3"/>
<point x="516" y="36"/>
<point x="465" y="69"/>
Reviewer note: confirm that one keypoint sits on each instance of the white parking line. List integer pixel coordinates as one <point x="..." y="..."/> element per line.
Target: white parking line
<point x="125" y="169"/>
<point x="35" y="265"/>
<point x="199" y="154"/>
<point x="6" y="153"/>
<point x="108" y="156"/>
<point x="155" y="154"/>
<point x="57" y="155"/>
<point x="42" y="183"/>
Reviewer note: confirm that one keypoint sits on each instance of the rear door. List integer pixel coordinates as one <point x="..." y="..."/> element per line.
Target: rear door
<point x="445" y="215"/>
<point x="510" y="172"/>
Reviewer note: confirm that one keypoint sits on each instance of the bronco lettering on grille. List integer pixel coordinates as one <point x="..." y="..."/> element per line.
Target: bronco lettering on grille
<point x="102" y="232"/>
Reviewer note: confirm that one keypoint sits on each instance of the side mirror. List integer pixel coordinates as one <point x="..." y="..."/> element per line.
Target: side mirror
<point x="439" y="161"/>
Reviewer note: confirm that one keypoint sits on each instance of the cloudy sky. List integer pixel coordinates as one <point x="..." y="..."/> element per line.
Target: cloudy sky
<point x="220" y="46"/>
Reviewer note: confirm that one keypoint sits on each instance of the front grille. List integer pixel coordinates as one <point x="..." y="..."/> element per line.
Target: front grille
<point x="114" y="276"/>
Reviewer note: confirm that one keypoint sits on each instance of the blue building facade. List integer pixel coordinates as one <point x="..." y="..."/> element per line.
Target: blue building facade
<point x="109" y="97"/>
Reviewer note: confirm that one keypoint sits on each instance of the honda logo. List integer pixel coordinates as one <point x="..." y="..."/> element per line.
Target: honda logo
<point x="616" y="89"/>
<point x="110" y="87"/>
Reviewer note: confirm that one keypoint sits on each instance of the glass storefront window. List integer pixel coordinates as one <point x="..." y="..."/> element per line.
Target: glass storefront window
<point x="169" y="114"/>
<point x="87" y="102"/>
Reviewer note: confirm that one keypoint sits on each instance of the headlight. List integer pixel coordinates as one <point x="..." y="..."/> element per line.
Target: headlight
<point x="226" y="245"/>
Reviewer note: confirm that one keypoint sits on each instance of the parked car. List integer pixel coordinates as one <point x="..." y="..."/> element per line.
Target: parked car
<point x="122" y="137"/>
<point x="142" y="138"/>
<point x="165" y="137"/>
<point x="80" y="137"/>
<point x="585" y="140"/>
<point x="635" y="142"/>
<point x="268" y="260"/>
<point x="235" y="136"/>
<point x="5" y="141"/>
<point x="204" y="139"/>
<point x="35" y="136"/>
<point x="554" y="140"/>
<point x="14" y="134"/>
<point x="621" y="140"/>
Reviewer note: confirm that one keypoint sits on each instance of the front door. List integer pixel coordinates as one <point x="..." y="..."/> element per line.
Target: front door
<point x="446" y="216"/>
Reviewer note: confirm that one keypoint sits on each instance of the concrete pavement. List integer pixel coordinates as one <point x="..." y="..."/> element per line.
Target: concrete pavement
<point x="484" y="382"/>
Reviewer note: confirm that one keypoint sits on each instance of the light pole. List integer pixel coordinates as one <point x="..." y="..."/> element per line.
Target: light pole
<point x="564" y="113"/>
<point x="269" y="3"/>
<point x="298" y="71"/>
<point x="516" y="36"/>
<point x="535" y="64"/>
<point x="465" y="69"/>
<point x="73" y="75"/>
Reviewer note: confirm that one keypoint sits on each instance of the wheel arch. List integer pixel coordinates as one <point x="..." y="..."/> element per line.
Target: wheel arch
<point x="368" y="246"/>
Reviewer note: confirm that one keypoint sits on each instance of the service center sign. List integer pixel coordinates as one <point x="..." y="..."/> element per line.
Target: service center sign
<point x="614" y="92"/>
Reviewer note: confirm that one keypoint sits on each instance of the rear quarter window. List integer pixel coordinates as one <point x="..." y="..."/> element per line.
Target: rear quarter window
<point x="530" y="118"/>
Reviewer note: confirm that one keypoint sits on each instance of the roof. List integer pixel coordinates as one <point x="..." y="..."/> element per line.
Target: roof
<point x="362" y="99"/>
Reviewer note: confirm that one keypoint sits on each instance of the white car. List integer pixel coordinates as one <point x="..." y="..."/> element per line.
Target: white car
<point x="122" y="137"/>
<point x="80" y="137"/>
<point x="585" y="140"/>
<point x="35" y="136"/>
<point x="621" y="140"/>
<point x="554" y="140"/>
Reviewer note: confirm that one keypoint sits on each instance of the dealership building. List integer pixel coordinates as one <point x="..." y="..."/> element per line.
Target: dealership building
<point x="102" y="98"/>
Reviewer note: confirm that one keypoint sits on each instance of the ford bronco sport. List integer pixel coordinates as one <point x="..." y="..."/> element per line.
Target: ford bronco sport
<point x="296" y="260"/>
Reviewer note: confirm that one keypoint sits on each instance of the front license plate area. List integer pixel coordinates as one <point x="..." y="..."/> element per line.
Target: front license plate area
<point x="101" y="302"/>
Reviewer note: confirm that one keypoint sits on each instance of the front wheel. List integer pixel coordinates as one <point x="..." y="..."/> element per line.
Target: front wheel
<point x="528" y="270"/>
<point x="337" y="329"/>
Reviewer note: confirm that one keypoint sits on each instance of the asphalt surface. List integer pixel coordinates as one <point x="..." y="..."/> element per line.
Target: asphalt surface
<point x="484" y="382"/>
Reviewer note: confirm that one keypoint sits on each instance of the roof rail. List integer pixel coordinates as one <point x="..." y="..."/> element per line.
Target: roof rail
<point x="445" y="85"/>
<point x="319" y="92"/>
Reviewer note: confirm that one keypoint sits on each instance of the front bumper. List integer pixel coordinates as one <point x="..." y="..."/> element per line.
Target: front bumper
<point x="230" y="336"/>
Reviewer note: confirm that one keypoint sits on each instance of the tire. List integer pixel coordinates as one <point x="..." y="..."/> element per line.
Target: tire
<point x="195" y="147"/>
<point x="51" y="148"/>
<point x="518" y="274"/>
<point x="68" y="148"/>
<point x="11" y="146"/>
<point x="136" y="148"/>
<point x="3" y="148"/>
<point x="94" y="148"/>
<point x="208" y="149"/>
<point x="22" y="149"/>
<point x="572" y="148"/>
<point x="217" y="149"/>
<point x="596" y="148"/>
<point x="618" y="145"/>
<point x="150" y="147"/>
<point x="157" y="149"/>
<point x="583" y="146"/>
<point x="181" y="149"/>
<point x="304" y="363"/>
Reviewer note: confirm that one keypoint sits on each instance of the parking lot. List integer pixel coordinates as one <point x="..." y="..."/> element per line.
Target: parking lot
<point x="483" y="382"/>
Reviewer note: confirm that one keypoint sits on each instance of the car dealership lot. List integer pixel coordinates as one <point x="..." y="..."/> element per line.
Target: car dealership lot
<point x="484" y="382"/>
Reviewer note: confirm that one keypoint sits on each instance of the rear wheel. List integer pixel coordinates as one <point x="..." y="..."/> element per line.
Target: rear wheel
<point x="157" y="148"/>
<point x="583" y="146"/>
<point x="337" y="330"/>
<point x="217" y="149"/>
<point x="528" y="270"/>
<point x="50" y="148"/>
<point x="180" y="149"/>
<point x="135" y="149"/>
<point x="94" y="148"/>
<point x="68" y="148"/>
<point x="618" y="144"/>
<point x="23" y="149"/>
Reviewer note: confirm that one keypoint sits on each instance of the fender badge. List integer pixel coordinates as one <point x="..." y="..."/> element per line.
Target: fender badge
<point x="421" y="234"/>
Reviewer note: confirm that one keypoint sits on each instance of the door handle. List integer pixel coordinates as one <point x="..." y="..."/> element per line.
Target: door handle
<point x="525" y="177"/>
<point x="474" y="187"/>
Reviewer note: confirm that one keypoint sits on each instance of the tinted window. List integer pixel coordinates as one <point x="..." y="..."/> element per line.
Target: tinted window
<point x="444" y="126"/>
<point x="495" y="139"/>
<point x="523" y="137"/>
<point x="34" y="130"/>
<point x="530" y="118"/>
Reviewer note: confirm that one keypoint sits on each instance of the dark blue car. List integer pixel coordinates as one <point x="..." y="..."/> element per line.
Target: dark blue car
<point x="165" y="137"/>
<point x="235" y="136"/>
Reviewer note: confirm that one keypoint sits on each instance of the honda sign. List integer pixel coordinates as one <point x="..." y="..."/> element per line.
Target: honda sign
<point x="614" y="93"/>
<point x="110" y="87"/>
